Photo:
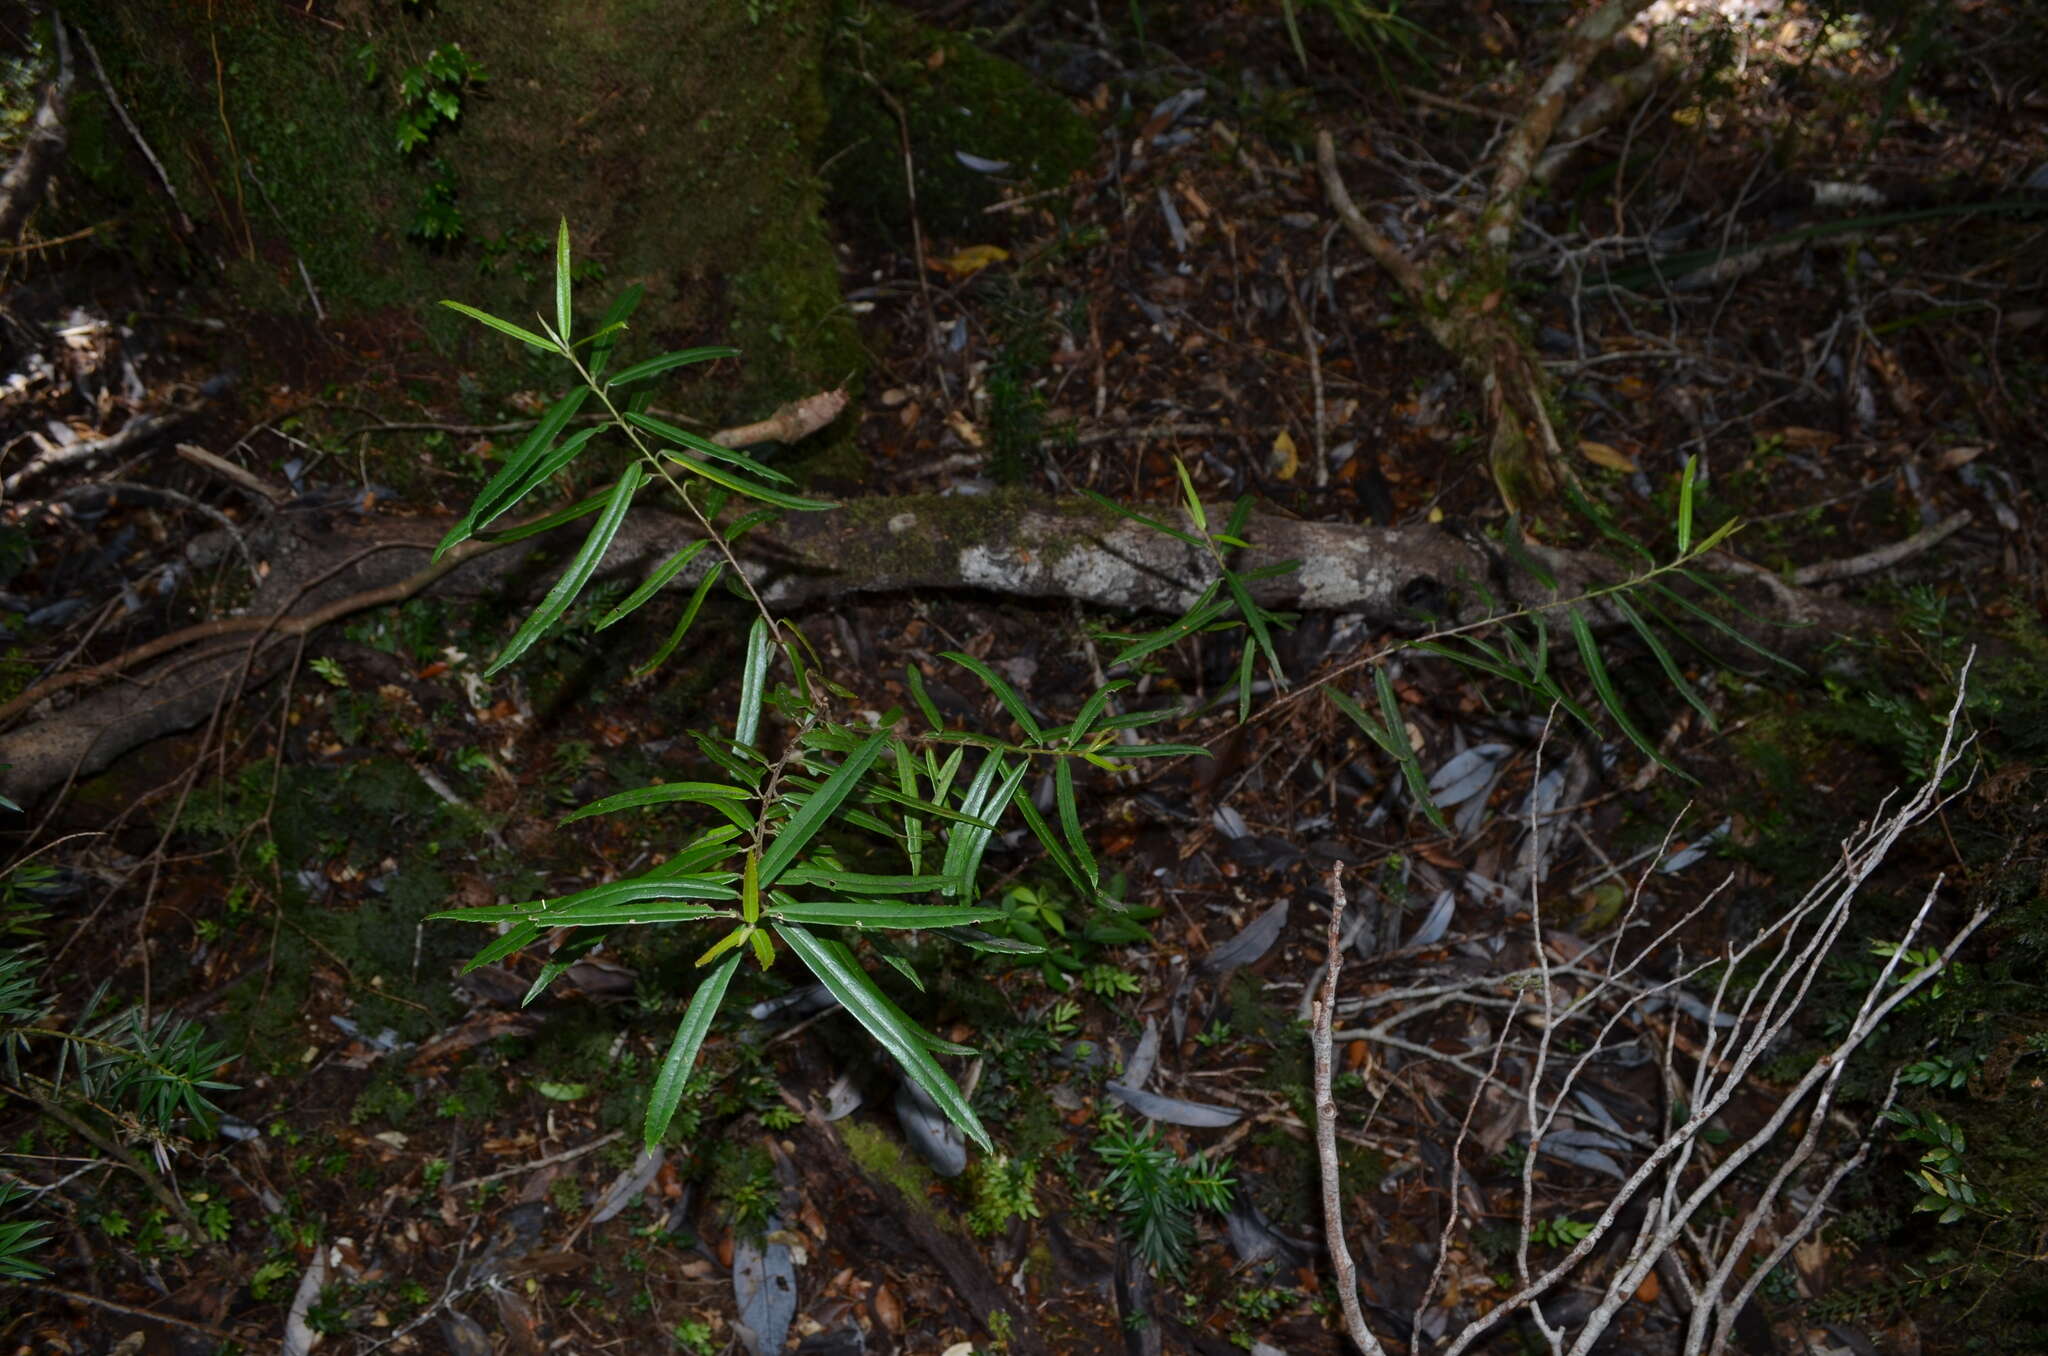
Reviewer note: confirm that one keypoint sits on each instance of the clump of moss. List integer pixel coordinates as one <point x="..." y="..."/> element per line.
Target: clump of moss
<point x="955" y="99"/>
<point x="884" y="1160"/>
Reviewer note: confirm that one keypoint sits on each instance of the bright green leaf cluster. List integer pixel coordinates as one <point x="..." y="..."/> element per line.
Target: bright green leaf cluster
<point x="765" y="877"/>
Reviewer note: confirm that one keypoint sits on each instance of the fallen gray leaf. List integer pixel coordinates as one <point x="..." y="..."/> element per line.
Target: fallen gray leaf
<point x="1438" y="921"/>
<point x="795" y="1005"/>
<point x="1138" y="1067"/>
<point x="1254" y="941"/>
<point x="1174" y="1110"/>
<point x="981" y="164"/>
<point x="299" y="1336"/>
<point x="627" y="1186"/>
<point x="1701" y="1011"/>
<point x="1174" y="106"/>
<point x="1175" y="227"/>
<point x="1229" y="823"/>
<point x="1598" y="1111"/>
<point x="842" y="1099"/>
<point x="936" y="1139"/>
<point x="1591" y="1159"/>
<point x="1695" y="850"/>
<point x="1466" y="775"/>
<point x="764" y="1284"/>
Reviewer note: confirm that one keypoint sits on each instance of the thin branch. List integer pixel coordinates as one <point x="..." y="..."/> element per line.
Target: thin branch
<point x="1326" y="1131"/>
<point x="130" y="1310"/>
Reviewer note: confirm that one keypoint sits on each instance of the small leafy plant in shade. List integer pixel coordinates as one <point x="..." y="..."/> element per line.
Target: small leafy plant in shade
<point x="1941" y="1178"/>
<point x="110" y="1074"/>
<point x="430" y="97"/>
<point x="1157" y="1192"/>
<point x="764" y="875"/>
<point x="1003" y="1188"/>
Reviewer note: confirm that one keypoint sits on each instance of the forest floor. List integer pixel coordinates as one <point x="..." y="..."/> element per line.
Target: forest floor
<point x="454" y="1169"/>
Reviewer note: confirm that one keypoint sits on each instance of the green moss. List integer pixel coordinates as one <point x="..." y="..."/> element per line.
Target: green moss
<point x="885" y="1160"/>
<point x="679" y="148"/>
<point x="955" y="98"/>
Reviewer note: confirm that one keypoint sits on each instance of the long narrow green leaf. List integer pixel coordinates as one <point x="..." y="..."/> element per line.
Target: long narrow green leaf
<point x="818" y="808"/>
<point x="894" y="797"/>
<point x="1403" y="751"/>
<point x="1135" y="720"/>
<point x="923" y="698"/>
<point x="842" y="975"/>
<point x="1511" y="542"/>
<point x="1665" y="591"/>
<point x="960" y="843"/>
<point x="680" y="358"/>
<point x="857" y="883"/>
<point x="505" y="327"/>
<point x="704" y="446"/>
<point x="1206" y="609"/>
<point x="561" y="517"/>
<point x="1685" y="483"/>
<point x="881" y="914"/>
<point x="1194" y="501"/>
<point x="578" y="574"/>
<point x="674" y="1075"/>
<point x="515" y="938"/>
<point x="1125" y="511"/>
<point x="562" y="280"/>
<point x="1603" y="684"/>
<point x="1603" y="520"/>
<point x="682" y="627"/>
<point x="667" y="793"/>
<point x="1245" y="660"/>
<point x="531" y="449"/>
<point x="566" y="955"/>
<point x="537" y="475"/>
<point x="732" y="482"/>
<point x="1664" y="660"/>
<point x="703" y="849"/>
<point x="497" y="494"/>
<point x="906" y="784"/>
<point x="647" y="888"/>
<point x="1049" y="839"/>
<point x="1092" y="709"/>
<point x="1499" y="668"/>
<point x="653" y="913"/>
<point x="753" y="680"/>
<point x="978" y="839"/>
<point x="1255" y="618"/>
<point x="1005" y="694"/>
<point x="1070" y="820"/>
<point x="974" y="939"/>
<point x="653" y="583"/>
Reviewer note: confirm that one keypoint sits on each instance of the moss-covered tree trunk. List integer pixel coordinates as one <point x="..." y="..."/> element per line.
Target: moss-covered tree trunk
<point x="679" y="140"/>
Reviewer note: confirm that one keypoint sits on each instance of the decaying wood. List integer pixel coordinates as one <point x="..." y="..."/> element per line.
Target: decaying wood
<point x="1013" y="545"/>
<point x="830" y="1174"/>
<point x="792" y="423"/>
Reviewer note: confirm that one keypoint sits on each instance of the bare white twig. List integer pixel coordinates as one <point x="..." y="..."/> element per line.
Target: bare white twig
<point x="1326" y="1131"/>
